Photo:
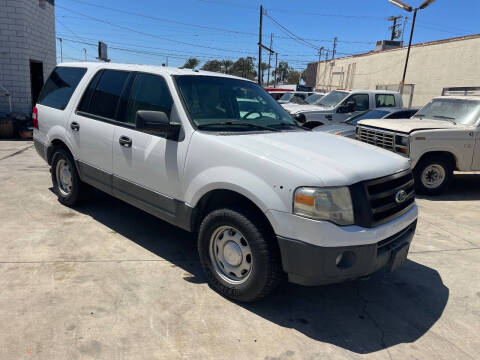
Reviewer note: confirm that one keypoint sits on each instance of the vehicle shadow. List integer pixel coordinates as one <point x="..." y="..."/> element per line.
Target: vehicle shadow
<point x="464" y="187"/>
<point x="362" y="316"/>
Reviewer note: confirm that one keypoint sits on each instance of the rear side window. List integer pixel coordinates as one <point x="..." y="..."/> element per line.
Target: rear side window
<point x="61" y="84"/>
<point x="87" y="95"/>
<point x="107" y="93"/>
<point x="149" y="92"/>
<point x="385" y="100"/>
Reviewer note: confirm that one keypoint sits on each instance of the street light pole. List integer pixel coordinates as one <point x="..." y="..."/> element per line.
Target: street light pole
<point x="409" y="8"/>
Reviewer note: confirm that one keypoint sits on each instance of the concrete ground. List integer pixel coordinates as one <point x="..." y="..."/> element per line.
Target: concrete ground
<point x="108" y="281"/>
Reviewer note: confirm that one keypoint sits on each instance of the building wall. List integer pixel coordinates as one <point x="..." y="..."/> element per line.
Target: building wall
<point x="27" y="32"/>
<point x="431" y="67"/>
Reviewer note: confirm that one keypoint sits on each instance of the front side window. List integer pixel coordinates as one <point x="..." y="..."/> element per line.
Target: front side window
<point x="361" y="101"/>
<point x="60" y="86"/>
<point x="384" y="100"/>
<point x="149" y="92"/>
<point x="220" y="104"/>
<point x="458" y="111"/>
<point x="107" y="93"/>
<point x="332" y="99"/>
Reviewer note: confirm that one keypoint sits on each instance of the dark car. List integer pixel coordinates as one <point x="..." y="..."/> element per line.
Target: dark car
<point x="347" y="128"/>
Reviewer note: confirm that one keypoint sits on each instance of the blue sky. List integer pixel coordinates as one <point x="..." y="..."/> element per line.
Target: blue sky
<point x="146" y="31"/>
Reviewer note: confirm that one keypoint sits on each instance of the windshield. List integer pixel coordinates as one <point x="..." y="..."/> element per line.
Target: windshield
<point x="369" y="114"/>
<point x="332" y="99"/>
<point x="313" y="99"/>
<point x="226" y="104"/>
<point x="287" y="96"/>
<point x="454" y="110"/>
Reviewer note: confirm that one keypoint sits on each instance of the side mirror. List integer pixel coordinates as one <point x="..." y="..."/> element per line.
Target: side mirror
<point x="156" y="123"/>
<point x="300" y="118"/>
<point x="347" y="107"/>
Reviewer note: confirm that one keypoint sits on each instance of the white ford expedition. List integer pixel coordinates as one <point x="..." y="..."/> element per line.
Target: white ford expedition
<point x="338" y="105"/>
<point x="216" y="155"/>
<point x="441" y="137"/>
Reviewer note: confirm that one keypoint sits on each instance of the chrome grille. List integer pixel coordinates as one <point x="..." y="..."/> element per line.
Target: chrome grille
<point x="378" y="138"/>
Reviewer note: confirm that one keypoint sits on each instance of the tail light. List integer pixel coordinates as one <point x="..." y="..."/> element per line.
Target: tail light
<point x="35" y="117"/>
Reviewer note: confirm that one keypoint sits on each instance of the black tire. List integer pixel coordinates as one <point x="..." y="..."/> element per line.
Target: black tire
<point x="75" y="196"/>
<point x="265" y="273"/>
<point x="442" y="164"/>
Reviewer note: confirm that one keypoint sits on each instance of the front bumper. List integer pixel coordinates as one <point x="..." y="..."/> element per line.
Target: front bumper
<point x="309" y="264"/>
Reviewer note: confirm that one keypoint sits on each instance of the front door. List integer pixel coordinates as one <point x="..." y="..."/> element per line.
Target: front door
<point x="476" y="152"/>
<point x="145" y="165"/>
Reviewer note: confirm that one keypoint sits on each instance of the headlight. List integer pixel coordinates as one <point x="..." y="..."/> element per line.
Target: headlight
<point x="401" y="140"/>
<point x="331" y="204"/>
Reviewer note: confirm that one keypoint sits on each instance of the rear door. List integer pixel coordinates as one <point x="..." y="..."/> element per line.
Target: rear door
<point x="91" y="127"/>
<point x="145" y="165"/>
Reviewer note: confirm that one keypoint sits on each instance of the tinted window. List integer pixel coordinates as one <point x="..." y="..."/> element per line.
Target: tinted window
<point x="372" y="114"/>
<point x="105" y="98"/>
<point x="361" y="101"/>
<point x="60" y="86"/>
<point x="401" y="114"/>
<point x="87" y="95"/>
<point x="385" y="100"/>
<point x="149" y="92"/>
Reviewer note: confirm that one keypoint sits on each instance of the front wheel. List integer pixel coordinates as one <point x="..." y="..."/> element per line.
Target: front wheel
<point x="433" y="175"/>
<point x="238" y="255"/>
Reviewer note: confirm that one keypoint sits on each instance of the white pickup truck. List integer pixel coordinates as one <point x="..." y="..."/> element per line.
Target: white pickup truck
<point x="216" y="155"/>
<point x="338" y="105"/>
<point x="441" y="137"/>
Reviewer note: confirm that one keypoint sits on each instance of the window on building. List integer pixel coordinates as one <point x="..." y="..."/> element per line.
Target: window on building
<point x="107" y="93"/>
<point x="60" y="86"/>
<point x="149" y="92"/>
<point x="385" y="100"/>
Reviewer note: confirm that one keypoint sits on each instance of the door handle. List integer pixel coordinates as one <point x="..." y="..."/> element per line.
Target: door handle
<point x="125" y="141"/>
<point x="328" y="117"/>
<point x="74" y="126"/>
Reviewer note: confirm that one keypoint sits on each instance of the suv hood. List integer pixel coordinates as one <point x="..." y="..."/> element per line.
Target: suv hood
<point x="408" y="125"/>
<point x="296" y="108"/>
<point x="335" y="160"/>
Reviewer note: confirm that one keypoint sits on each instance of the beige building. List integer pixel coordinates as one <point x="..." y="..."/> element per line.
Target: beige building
<point x="432" y="66"/>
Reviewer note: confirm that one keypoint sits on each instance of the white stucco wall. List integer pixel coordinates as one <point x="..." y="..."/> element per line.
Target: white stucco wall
<point x="431" y="67"/>
<point x="27" y="32"/>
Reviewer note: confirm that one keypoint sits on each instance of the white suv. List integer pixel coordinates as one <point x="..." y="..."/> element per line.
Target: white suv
<point x="216" y="155"/>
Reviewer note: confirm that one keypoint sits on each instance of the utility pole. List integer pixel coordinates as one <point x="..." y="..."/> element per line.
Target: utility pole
<point x="260" y="47"/>
<point x="61" y="49"/>
<point x="276" y="65"/>
<point x="320" y="54"/>
<point x="269" y="59"/>
<point x="335" y="39"/>
<point x="394" y="26"/>
<point x="166" y="60"/>
<point x="85" y="51"/>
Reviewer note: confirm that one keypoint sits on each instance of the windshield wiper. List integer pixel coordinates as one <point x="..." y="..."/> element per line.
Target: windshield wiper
<point x="451" y="119"/>
<point x="241" y="123"/>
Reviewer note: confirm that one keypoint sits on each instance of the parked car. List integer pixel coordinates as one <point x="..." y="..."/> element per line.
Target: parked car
<point x="294" y="97"/>
<point x="347" y="128"/>
<point x="312" y="99"/>
<point x="443" y="136"/>
<point x="263" y="196"/>
<point x="277" y="93"/>
<point x="338" y="105"/>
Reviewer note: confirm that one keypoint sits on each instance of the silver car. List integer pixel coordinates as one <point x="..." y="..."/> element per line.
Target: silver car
<point x="347" y="128"/>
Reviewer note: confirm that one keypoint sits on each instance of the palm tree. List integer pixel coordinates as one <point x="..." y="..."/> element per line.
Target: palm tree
<point x="191" y="63"/>
<point x="226" y="65"/>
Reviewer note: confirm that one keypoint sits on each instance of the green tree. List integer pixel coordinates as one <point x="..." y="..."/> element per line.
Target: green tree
<point x="244" y="67"/>
<point x="282" y="71"/>
<point x="191" y="63"/>
<point x="212" y="65"/>
<point x="293" y="77"/>
<point x="226" y="65"/>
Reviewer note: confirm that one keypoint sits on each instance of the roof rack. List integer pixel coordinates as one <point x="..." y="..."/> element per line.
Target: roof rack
<point x="465" y="91"/>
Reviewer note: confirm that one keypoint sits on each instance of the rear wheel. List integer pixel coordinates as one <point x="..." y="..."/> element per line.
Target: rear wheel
<point x="238" y="255"/>
<point x="65" y="179"/>
<point x="433" y="175"/>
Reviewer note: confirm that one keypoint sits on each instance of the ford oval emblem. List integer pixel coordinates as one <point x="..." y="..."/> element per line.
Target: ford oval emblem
<point x="400" y="196"/>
